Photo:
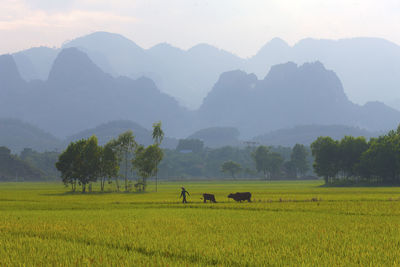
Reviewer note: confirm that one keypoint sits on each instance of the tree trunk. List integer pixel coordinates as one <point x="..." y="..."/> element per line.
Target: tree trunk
<point x="126" y="171"/>
<point x="156" y="175"/>
<point x="83" y="188"/>
<point x="102" y="182"/>
<point x="144" y="184"/>
<point x="156" y="180"/>
<point x="117" y="183"/>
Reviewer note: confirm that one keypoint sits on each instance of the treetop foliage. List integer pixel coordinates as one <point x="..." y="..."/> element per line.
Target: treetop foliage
<point x="354" y="159"/>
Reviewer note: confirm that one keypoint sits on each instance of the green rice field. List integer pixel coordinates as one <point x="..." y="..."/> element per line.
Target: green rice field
<point x="287" y="224"/>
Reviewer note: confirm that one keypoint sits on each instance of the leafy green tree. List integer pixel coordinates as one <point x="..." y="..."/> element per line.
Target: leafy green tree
<point x="145" y="162"/>
<point x="90" y="170"/>
<point x="44" y="161"/>
<point x="158" y="136"/>
<point x="125" y="146"/>
<point x="70" y="164"/>
<point x="381" y="162"/>
<point x="270" y="163"/>
<point x="275" y="162"/>
<point x="350" y="151"/>
<point x="80" y="162"/>
<point x="261" y="157"/>
<point x="231" y="167"/>
<point x="290" y="169"/>
<point x="109" y="166"/>
<point x="299" y="160"/>
<point x="12" y="168"/>
<point x="326" y="157"/>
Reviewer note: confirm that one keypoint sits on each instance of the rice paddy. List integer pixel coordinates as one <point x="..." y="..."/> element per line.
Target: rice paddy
<point x="288" y="223"/>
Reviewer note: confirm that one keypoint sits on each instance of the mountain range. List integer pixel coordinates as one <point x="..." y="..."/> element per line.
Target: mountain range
<point x="289" y="95"/>
<point x="79" y="95"/>
<point x="17" y="135"/>
<point x="368" y="67"/>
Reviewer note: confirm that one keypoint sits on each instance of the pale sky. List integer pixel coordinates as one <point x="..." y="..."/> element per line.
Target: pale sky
<point x="238" y="26"/>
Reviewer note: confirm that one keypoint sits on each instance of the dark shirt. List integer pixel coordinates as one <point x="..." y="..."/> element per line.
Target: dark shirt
<point x="183" y="194"/>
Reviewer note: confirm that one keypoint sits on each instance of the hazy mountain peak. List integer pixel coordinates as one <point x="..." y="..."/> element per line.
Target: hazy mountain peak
<point x="9" y="74"/>
<point x="203" y="47"/>
<point x="102" y="39"/>
<point x="165" y="51"/>
<point x="231" y="79"/>
<point x="288" y="67"/>
<point x="74" y="67"/>
<point x="276" y="43"/>
<point x="315" y="79"/>
<point x="35" y="63"/>
<point x="165" y="46"/>
<point x="206" y="50"/>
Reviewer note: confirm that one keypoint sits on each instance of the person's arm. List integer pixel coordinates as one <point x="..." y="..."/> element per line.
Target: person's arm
<point x="188" y="193"/>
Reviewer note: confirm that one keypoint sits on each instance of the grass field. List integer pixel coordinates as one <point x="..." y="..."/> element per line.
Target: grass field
<point x="41" y="224"/>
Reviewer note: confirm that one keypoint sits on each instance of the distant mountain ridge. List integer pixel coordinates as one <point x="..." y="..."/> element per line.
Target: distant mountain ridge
<point x="289" y="95"/>
<point x="106" y="131"/>
<point x="79" y="95"/>
<point x="368" y="67"/>
<point x="17" y="135"/>
<point x="306" y="134"/>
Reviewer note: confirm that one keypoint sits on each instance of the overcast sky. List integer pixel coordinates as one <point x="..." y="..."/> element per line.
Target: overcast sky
<point x="239" y="26"/>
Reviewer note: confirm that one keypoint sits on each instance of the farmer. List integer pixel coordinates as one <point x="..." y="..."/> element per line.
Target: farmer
<point x="183" y="194"/>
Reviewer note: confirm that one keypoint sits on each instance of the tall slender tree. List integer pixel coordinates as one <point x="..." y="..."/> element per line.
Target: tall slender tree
<point x="231" y="167"/>
<point x="326" y="153"/>
<point x="260" y="156"/>
<point x="125" y="146"/>
<point x="91" y="162"/>
<point x="109" y="166"/>
<point x="158" y="136"/>
<point x="145" y="162"/>
<point x="298" y="159"/>
<point x="66" y="164"/>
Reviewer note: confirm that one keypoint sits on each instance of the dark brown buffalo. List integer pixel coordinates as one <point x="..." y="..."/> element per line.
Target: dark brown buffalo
<point x="241" y="196"/>
<point x="210" y="197"/>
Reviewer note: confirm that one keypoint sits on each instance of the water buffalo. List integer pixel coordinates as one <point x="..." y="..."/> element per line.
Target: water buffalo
<point x="210" y="197"/>
<point x="241" y="196"/>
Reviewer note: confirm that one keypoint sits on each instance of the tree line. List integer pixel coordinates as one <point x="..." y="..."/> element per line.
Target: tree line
<point x="84" y="162"/>
<point x="13" y="168"/>
<point x="356" y="160"/>
<point x="191" y="159"/>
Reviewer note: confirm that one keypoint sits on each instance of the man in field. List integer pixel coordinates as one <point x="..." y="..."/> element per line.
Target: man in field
<point x="183" y="194"/>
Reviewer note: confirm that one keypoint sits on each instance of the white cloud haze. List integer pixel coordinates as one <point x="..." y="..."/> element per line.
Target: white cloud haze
<point x="239" y="26"/>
